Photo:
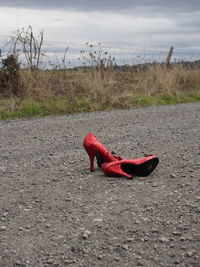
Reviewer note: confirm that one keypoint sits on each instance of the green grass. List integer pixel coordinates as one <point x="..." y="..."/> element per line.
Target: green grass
<point x="61" y="105"/>
<point x="33" y="108"/>
<point x="142" y="101"/>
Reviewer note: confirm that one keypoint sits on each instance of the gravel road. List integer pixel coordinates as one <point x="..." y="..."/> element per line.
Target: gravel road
<point x="54" y="212"/>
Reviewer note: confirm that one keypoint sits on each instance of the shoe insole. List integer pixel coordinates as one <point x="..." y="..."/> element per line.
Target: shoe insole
<point x="143" y="169"/>
<point x="99" y="160"/>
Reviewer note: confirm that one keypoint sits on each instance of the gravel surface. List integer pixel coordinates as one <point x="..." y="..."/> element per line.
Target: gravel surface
<point x="54" y="212"/>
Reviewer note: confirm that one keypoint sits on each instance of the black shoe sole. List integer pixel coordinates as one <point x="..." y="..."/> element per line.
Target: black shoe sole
<point x="143" y="169"/>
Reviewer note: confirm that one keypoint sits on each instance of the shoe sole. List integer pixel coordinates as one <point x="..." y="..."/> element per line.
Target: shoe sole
<point x="143" y="169"/>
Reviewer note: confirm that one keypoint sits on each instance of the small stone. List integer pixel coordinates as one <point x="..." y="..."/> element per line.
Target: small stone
<point x="183" y="248"/>
<point x="190" y="253"/>
<point x="68" y="261"/>
<point x="164" y="239"/>
<point x="172" y="175"/>
<point x="3" y="168"/>
<point x="130" y="239"/>
<point x="98" y="220"/>
<point x="99" y="257"/>
<point x="177" y="233"/>
<point x="148" y="209"/>
<point x="145" y="219"/>
<point x="68" y="199"/>
<point x="125" y="246"/>
<point x="154" y="184"/>
<point x="18" y="263"/>
<point x="86" y="234"/>
<point x="3" y="228"/>
<point x="155" y="230"/>
<point x="140" y="263"/>
<point x="138" y="257"/>
<point x="50" y="261"/>
<point x="21" y="228"/>
<point x="176" y="261"/>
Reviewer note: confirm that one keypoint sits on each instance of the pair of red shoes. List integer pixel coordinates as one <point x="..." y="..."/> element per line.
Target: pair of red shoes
<point x="116" y="165"/>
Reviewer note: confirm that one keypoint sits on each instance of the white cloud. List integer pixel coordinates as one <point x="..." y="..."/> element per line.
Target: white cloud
<point x="84" y="26"/>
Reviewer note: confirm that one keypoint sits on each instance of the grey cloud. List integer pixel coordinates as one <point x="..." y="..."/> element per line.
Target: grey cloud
<point x="181" y="31"/>
<point x="110" y="5"/>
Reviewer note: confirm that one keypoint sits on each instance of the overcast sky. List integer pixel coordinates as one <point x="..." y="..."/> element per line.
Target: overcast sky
<point x="132" y="23"/>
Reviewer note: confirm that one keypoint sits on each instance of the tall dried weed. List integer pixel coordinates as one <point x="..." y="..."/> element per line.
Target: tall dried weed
<point x="88" y="89"/>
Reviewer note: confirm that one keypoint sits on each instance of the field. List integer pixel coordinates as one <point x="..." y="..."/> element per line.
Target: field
<point x="26" y="92"/>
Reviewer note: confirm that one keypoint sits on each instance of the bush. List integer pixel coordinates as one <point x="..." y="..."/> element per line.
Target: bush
<point x="10" y="77"/>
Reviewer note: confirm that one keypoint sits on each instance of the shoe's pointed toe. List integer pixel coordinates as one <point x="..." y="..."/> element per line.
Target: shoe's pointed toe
<point x="114" y="169"/>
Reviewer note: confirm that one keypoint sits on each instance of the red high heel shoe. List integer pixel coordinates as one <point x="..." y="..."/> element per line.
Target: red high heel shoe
<point x="94" y="148"/>
<point x="133" y="167"/>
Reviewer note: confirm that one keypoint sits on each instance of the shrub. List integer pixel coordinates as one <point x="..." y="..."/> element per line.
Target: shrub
<point x="10" y="77"/>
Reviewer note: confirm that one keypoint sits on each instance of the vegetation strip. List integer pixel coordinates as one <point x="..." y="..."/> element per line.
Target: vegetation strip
<point x="61" y="106"/>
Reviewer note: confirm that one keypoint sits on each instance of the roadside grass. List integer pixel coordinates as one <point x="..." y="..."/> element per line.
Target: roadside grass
<point x="61" y="106"/>
<point x="59" y="92"/>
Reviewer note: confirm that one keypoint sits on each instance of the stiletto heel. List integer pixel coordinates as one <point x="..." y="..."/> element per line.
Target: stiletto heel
<point x="94" y="148"/>
<point x="91" y="155"/>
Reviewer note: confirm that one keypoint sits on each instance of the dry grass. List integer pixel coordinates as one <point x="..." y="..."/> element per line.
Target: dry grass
<point x="173" y="81"/>
<point x="82" y="90"/>
<point x="157" y="80"/>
